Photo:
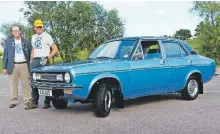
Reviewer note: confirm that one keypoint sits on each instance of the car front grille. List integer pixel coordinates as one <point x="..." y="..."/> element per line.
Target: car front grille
<point x="49" y="77"/>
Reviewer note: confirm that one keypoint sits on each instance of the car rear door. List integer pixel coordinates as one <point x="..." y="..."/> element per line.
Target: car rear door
<point x="179" y="65"/>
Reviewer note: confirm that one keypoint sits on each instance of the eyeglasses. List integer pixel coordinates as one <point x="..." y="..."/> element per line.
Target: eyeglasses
<point x="15" y="30"/>
<point x="39" y="27"/>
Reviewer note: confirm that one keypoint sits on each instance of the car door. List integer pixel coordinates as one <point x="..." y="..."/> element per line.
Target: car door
<point x="179" y="65"/>
<point x="147" y="76"/>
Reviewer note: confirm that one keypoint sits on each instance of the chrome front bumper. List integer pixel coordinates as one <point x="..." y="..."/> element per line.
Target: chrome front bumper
<point x="58" y="89"/>
<point x="54" y="86"/>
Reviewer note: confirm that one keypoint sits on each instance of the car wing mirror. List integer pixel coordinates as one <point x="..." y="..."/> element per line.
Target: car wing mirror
<point x="138" y="56"/>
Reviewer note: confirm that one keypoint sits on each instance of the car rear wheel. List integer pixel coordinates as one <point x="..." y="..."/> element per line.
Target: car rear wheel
<point x="59" y="103"/>
<point x="191" y="90"/>
<point x="103" y="101"/>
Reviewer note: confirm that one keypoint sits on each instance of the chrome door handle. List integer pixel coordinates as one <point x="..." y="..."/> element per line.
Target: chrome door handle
<point x="162" y="62"/>
<point x="190" y="61"/>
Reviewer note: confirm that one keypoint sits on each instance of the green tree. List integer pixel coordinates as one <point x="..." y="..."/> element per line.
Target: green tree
<point x="6" y="29"/>
<point x="209" y="28"/>
<point x="183" y="34"/>
<point x="74" y="25"/>
<point x="206" y="9"/>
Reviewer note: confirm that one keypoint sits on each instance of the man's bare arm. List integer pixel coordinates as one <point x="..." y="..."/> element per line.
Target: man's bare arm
<point x="54" y="51"/>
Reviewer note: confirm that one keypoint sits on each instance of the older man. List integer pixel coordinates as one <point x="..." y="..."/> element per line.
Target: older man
<point x="41" y="43"/>
<point x="16" y="64"/>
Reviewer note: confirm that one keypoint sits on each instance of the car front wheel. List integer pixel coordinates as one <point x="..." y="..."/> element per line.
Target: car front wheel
<point x="191" y="90"/>
<point x="59" y="103"/>
<point x="103" y="100"/>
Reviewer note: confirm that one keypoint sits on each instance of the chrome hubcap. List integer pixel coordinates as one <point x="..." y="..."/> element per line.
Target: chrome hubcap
<point x="193" y="87"/>
<point x="108" y="100"/>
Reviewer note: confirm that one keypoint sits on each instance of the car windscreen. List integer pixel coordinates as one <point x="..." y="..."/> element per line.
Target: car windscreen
<point x="117" y="49"/>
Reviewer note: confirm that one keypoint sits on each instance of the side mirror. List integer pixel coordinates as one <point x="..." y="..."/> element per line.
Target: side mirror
<point x="138" y="56"/>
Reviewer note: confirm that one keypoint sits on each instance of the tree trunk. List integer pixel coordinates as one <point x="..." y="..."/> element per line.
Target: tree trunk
<point x="212" y="19"/>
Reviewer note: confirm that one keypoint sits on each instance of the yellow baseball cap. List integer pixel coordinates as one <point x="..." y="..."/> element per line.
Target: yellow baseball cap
<point x="38" y="23"/>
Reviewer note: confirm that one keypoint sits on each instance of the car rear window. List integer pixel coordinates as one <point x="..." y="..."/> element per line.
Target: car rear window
<point x="187" y="46"/>
<point x="172" y="49"/>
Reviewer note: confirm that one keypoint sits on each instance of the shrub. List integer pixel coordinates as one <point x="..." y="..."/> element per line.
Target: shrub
<point x="1" y="53"/>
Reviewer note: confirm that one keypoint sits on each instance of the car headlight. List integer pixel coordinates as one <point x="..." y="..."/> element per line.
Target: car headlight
<point x="34" y="76"/>
<point x="59" y="77"/>
<point x="67" y="77"/>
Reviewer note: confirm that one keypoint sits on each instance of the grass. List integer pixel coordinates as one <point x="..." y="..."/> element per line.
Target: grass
<point x="0" y="64"/>
<point x="195" y="43"/>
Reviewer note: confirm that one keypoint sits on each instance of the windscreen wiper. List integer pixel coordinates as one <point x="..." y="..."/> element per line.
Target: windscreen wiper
<point x="90" y="58"/>
<point x="104" y="57"/>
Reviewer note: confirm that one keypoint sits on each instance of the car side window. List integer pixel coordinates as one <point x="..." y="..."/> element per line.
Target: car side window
<point x="172" y="49"/>
<point x="151" y="49"/>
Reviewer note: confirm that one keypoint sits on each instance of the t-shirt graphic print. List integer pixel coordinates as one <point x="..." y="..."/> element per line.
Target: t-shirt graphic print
<point x="38" y="43"/>
<point x="18" y="49"/>
<point x="19" y="54"/>
<point x="41" y="44"/>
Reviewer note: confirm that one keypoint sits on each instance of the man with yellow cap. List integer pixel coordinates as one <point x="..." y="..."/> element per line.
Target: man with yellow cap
<point x="40" y="55"/>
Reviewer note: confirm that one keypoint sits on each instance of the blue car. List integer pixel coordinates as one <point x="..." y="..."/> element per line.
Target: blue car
<point x="126" y="68"/>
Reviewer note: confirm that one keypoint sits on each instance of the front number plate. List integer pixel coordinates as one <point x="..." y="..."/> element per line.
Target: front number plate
<point x="45" y="92"/>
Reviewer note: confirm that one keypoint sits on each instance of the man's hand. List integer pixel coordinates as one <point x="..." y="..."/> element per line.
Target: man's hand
<point x="45" y="61"/>
<point x="5" y="71"/>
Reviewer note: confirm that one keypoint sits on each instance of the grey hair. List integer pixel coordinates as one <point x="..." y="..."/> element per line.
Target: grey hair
<point x="15" y="25"/>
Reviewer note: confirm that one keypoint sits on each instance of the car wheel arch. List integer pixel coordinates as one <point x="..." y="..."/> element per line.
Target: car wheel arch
<point x="198" y="75"/>
<point x="107" y="78"/>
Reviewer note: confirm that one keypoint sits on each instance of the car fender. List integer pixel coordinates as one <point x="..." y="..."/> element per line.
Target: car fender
<point x="101" y="76"/>
<point x="190" y="73"/>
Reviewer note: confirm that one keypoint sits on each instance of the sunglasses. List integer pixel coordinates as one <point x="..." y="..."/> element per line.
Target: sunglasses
<point x="39" y="27"/>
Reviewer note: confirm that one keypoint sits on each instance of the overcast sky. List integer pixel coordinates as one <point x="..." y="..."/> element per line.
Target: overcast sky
<point x="142" y="17"/>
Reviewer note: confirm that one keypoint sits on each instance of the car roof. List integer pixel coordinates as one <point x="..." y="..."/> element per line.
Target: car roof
<point x="144" y="37"/>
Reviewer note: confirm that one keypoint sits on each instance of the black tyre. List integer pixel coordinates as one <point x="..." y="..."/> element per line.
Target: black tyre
<point x="59" y="103"/>
<point x="191" y="90"/>
<point x="103" y="101"/>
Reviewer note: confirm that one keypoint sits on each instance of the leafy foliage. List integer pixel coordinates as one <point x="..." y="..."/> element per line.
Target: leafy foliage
<point x="1" y="53"/>
<point x="75" y="26"/>
<point x="6" y="29"/>
<point x="206" y="9"/>
<point x="1" y="63"/>
<point x="183" y="34"/>
<point x="209" y="28"/>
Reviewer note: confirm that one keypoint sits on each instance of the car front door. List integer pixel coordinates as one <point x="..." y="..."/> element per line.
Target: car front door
<point x="179" y="65"/>
<point x="147" y="76"/>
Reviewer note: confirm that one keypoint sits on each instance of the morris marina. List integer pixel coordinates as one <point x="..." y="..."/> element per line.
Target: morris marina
<point x="126" y="68"/>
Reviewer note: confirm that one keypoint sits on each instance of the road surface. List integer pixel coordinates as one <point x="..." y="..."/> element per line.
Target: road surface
<point x="164" y="114"/>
